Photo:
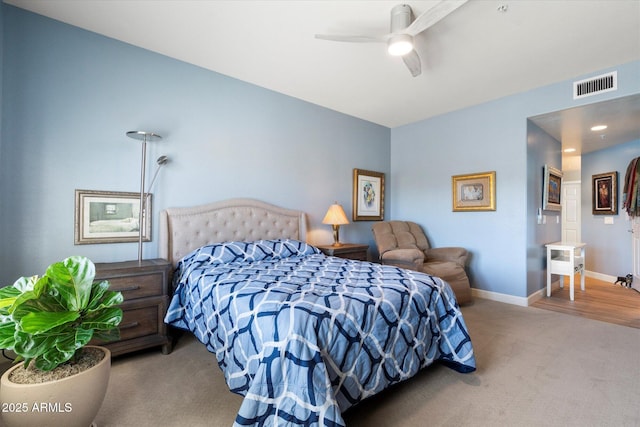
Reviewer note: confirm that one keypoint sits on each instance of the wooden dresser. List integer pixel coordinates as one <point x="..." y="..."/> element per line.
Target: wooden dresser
<point x="145" y="288"/>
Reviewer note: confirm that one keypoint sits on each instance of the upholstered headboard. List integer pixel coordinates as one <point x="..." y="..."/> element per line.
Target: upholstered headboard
<point x="184" y="229"/>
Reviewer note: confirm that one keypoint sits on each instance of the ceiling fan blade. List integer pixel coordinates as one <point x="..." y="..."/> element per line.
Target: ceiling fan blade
<point x="353" y="39"/>
<point x="412" y="61"/>
<point x="432" y="16"/>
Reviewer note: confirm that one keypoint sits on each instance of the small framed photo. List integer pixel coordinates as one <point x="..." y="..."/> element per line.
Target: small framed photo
<point x="551" y="189"/>
<point x="474" y="192"/>
<point x="605" y="193"/>
<point x="368" y="195"/>
<point x="110" y="217"/>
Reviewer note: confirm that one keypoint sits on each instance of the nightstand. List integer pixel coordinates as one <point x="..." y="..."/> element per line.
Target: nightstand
<point x="347" y="250"/>
<point x="145" y="288"/>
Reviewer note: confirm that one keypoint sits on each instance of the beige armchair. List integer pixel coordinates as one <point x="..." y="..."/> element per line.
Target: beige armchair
<point x="404" y="244"/>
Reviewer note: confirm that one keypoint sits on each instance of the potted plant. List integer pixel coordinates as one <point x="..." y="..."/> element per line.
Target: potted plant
<point x="48" y="322"/>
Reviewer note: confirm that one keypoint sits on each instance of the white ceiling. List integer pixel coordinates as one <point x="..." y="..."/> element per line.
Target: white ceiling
<point x="474" y="55"/>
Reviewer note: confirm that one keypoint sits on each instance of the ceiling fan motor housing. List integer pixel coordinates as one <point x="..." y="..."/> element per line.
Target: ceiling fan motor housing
<point x="400" y="17"/>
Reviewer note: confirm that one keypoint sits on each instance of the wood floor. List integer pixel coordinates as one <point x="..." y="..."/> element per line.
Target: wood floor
<point x="600" y="301"/>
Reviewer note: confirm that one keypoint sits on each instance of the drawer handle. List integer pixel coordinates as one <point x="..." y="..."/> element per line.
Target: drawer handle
<point x="130" y="325"/>
<point x="129" y="288"/>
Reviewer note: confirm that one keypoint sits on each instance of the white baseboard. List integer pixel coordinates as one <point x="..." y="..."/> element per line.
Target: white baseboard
<point x="600" y="276"/>
<point x="525" y="302"/>
<point x="496" y="296"/>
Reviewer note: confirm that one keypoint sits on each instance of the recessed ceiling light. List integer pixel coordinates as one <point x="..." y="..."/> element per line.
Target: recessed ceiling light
<point x="599" y="127"/>
<point x="569" y="150"/>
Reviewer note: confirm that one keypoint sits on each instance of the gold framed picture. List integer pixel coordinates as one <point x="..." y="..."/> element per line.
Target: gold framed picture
<point x="474" y="192"/>
<point x="368" y="195"/>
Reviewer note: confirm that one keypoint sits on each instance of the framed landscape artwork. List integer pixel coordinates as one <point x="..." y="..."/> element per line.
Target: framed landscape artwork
<point x="109" y="217"/>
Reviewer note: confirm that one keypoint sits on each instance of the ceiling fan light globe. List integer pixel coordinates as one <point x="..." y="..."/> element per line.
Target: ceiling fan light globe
<point x="400" y="45"/>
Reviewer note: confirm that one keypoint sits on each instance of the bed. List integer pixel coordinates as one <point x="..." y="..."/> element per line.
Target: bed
<point x="301" y="335"/>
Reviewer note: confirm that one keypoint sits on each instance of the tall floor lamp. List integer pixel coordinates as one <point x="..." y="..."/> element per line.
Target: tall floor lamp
<point x="144" y="137"/>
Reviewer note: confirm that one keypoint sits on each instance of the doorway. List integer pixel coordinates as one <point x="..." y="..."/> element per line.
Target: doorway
<point x="571" y="208"/>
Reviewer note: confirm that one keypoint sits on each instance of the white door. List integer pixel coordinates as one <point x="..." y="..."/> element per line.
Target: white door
<point x="571" y="211"/>
<point x="635" y="239"/>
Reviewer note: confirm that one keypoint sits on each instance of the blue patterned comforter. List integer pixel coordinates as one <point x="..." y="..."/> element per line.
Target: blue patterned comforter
<point x="304" y="336"/>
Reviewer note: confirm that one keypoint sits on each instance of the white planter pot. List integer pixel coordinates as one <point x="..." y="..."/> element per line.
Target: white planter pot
<point x="70" y="402"/>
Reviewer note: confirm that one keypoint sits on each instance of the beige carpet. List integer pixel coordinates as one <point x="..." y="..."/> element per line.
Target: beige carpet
<point x="535" y="367"/>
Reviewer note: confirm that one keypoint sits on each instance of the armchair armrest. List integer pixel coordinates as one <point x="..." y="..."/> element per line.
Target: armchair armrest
<point x="455" y="254"/>
<point x="403" y="258"/>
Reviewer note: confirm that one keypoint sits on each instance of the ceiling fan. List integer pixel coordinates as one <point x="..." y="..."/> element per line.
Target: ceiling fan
<point x="400" y="40"/>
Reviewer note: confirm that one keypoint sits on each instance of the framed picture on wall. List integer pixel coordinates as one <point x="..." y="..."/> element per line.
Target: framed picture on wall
<point x="605" y="193"/>
<point x="551" y="189"/>
<point x="368" y="195"/>
<point x="109" y="217"/>
<point x="474" y="192"/>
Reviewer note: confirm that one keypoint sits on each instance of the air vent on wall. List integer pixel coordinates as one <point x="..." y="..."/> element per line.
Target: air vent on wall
<point x="595" y="85"/>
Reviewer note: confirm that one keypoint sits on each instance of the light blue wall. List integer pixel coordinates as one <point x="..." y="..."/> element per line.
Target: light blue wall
<point x="71" y="95"/>
<point x="542" y="150"/>
<point x="424" y="157"/>
<point x="609" y="250"/>
<point x="505" y="244"/>
<point x="1" y="79"/>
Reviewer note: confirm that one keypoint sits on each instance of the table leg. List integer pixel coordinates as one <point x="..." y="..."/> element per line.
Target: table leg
<point x="548" y="281"/>
<point x="571" y="283"/>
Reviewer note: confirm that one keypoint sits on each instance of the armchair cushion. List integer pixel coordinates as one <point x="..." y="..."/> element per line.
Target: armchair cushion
<point x="404" y="244"/>
<point x="404" y="258"/>
<point x="455" y="254"/>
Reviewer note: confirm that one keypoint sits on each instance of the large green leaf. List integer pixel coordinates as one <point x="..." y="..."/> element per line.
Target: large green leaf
<point x="109" y="299"/>
<point x="8" y="298"/>
<point x="7" y="332"/>
<point x="31" y="346"/>
<point x="39" y="322"/>
<point x="32" y="291"/>
<point x="72" y="279"/>
<point x="25" y="283"/>
<point x="53" y="358"/>
<point x="97" y="292"/>
<point x="69" y="343"/>
<point x="45" y="303"/>
<point x="104" y="319"/>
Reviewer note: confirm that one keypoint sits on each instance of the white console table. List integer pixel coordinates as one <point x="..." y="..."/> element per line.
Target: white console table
<point x="562" y="260"/>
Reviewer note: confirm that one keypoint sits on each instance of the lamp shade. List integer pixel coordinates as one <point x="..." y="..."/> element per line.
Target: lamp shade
<point x="335" y="215"/>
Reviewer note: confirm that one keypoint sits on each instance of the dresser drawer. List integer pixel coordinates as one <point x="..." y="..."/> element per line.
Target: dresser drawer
<point x="142" y="319"/>
<point x="137" y="286"/>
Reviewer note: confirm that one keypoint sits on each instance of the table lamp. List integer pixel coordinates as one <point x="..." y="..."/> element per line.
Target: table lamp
<point x="336" y="217"/>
